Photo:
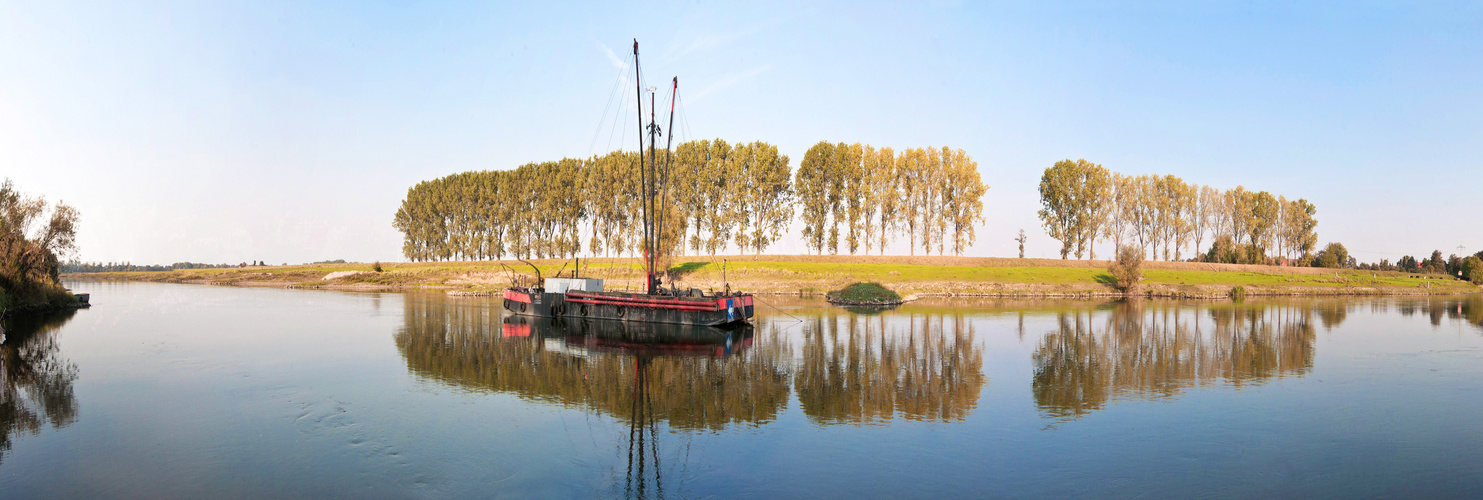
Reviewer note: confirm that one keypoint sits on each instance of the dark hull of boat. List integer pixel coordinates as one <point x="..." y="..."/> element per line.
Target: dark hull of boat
<point x="644" y="339"/>
<point x="630" y="307"/>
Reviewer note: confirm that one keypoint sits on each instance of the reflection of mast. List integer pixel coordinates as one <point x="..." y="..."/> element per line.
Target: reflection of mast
<point x="641" y="421"/>
<point x="588" y="364"/>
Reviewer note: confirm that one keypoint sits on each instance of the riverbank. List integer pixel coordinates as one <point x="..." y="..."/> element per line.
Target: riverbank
<point x="48" y="298"/>
<point x="814" y="275"/>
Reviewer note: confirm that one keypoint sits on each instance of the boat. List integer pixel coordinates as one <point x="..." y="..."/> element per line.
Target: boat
<point x="576" y="297"/>
<point x="585" y="337"/>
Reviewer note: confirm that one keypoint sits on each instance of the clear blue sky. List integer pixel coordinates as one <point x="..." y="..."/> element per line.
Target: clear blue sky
<point x="290" y="131"/>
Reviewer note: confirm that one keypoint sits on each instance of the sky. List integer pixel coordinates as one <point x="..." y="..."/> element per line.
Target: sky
<point x="289" y="132"/>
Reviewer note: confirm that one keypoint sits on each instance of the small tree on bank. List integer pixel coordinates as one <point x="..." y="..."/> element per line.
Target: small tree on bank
<point x="1333" y="255"/>
<point x="1127" y="270"/>
<point x="33" y="242"/>
<point x="1472" y="270"/>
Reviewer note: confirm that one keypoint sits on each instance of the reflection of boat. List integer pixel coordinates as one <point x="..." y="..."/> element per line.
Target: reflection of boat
<point x="705" y="385"/>
<point x="581" y="337"/>
<point x="645" y="344"/>
<point x="584" y="298"/>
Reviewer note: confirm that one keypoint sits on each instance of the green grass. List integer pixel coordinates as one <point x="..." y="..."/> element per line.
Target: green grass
<point x="39" y="296"/>
<point x="792" y="276"/>
<point x="899" y="273"/>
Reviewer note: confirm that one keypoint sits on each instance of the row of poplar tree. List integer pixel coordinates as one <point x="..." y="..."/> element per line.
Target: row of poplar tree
<point x="1083" y="203"/>
<point x="861" y="196"/>
<point x="718" y="195"/>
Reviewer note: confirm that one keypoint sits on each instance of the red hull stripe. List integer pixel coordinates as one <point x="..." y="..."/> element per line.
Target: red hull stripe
<point x="636" y="300"/>
<point x="687" y="307"/>
<point x="517" y="296"/>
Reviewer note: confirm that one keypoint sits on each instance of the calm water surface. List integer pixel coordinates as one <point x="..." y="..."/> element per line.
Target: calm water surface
<point x="193" y="391"/>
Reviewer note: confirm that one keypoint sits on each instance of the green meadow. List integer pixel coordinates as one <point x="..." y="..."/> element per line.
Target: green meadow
<point x="817" y="274"/>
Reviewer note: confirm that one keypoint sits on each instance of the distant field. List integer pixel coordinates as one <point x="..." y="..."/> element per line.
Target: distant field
<point x="922" y="275"/>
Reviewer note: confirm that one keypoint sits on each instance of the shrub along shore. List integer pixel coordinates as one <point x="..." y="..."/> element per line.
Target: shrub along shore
<point x="815" y="275"/>
<point x="32" y="234"/>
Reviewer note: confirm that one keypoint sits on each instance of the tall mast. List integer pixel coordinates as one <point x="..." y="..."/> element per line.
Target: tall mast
<point x="638" y="90"/>
<point x="654" y="229"/>
<point x="664" y="178"/>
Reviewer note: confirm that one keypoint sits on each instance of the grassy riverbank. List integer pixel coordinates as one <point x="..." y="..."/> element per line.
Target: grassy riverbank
<point x="40" y="298"/>
<point x="793" y="274"/>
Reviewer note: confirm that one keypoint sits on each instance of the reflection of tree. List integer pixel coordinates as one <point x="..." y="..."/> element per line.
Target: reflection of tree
<point x="1157" y="351"/>
<point x="461" y="343"/>
<point x="1467" y="309"/>
<point x="1331" y="312"/>
<point x="35" y="380"/>
<point x="871" y="370"/>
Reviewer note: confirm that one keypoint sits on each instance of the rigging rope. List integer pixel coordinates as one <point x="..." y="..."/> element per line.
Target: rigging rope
<point x="618" y="117"/>
<point x="755" y="298"/>
<point x="617" y="84"/>
<point x="685" y="120"/>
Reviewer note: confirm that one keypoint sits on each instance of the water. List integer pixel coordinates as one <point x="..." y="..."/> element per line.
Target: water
<point x="192" y="391"/>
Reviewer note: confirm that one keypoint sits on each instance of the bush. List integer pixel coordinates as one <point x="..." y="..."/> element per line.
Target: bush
<point x="865" y="293"/>
<point x="376" y="267"/>
<point x="32" y="244"/>
<point x="1472" y="270"/>
<point x="1221" y="251"/>
<point x="1127" y="270"/>
<point x="1333" y="255"/>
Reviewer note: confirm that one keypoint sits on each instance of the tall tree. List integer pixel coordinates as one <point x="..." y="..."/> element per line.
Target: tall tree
<point x="1182" y="199"/>
<point x="1119" y="216"/>
<point x="937" y="173"/>
<point x="850" y="176"/>
<point x="1065" y="207"/>
<point x="885" y="189"/>
<point x="1165" y="201"/>
<point x="1142" y="211"/>
<point x="1203" y="214"/>
<point x="692" y="169"/>
<point x="1077" y="199"/>
<point x="964" y="199"/>
<point x="767" y="196"/>
<point x="1262" y="220"/>
<point x="1302" y="224"/>
<point x="869" y="211"/>
<point x="1099" y="195"/>
<point x="811" y="184"/>
<point x="716" y="197"/>
<point x="911" y="166"/>
<point x="1238" y="201"/>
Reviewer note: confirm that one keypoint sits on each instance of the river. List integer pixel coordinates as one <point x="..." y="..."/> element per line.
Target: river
<point x="163" y="390"/>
